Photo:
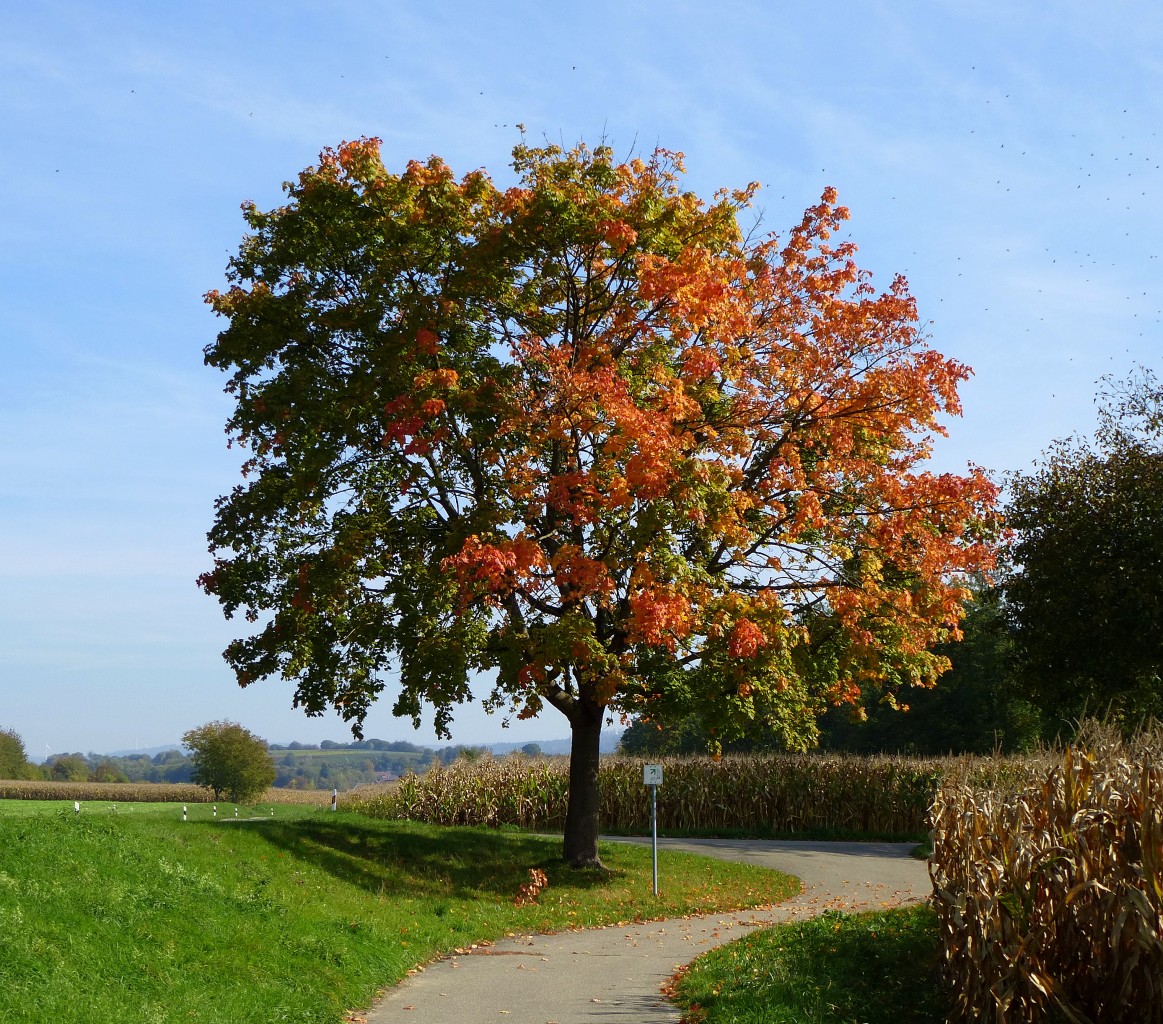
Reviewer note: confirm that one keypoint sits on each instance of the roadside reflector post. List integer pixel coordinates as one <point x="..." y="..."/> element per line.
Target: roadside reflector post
<point x="335" y="799"/>
<point x="652" y="777"/>
<point x="76" y="806"/>
<point x="215" y="811"/>
<point x="183" y="812"/>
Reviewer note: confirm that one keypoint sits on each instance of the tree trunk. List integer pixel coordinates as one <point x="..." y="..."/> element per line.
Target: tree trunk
<point x="581" y="816"/>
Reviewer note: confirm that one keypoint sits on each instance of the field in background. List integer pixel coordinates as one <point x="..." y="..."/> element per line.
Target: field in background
<point x="754" y="794"/>
<point x="193" y="811"/>
<point x="144" y="792"/>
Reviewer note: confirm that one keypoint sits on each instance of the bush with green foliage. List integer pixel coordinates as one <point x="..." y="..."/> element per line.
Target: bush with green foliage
<point x="231" y="760"/>
<point x="68" y="768"/>
<point x="13" y="760"/>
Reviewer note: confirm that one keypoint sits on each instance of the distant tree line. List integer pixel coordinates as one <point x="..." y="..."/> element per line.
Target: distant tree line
<point x="398" y="746"/>
<point x="168" y="766"/>
<point x="326" y="765"/>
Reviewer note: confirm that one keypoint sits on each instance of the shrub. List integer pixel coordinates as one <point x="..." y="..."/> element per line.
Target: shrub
<point x="230" y="759"/>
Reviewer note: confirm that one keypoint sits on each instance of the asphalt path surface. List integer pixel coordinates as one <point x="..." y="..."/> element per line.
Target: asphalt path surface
<point x="615" y="975"/>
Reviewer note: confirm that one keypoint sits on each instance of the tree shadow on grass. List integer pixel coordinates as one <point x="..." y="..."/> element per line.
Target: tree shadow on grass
<point x="396" y="857"/>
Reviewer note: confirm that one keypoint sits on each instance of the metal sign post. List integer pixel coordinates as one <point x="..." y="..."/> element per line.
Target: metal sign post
<point x="652" y="777"/>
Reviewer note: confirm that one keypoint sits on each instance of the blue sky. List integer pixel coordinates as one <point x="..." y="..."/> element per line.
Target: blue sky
<point x="1003" y="156"/>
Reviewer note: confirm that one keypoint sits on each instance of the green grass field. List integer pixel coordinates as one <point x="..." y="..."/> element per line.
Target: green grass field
<point x="133" y="915"/>
<point x="872" y="968"/>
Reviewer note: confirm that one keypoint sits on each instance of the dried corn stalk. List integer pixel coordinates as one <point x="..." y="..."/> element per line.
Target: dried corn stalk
<point x="1049" y="894"/>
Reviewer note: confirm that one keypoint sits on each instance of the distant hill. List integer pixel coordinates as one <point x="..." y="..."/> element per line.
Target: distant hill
<point x="608" y="745"/>
<point x="140" y="750"/>
<point x="325" y="765"/>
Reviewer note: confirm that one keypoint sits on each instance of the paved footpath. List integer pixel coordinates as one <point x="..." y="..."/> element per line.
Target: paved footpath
<point x="614" y="975"/>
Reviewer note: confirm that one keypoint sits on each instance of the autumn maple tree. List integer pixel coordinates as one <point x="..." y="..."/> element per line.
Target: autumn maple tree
<point x="581" y="437"/>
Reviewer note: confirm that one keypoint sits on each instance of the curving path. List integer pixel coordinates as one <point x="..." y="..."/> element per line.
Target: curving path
<point x="614" y="975"/>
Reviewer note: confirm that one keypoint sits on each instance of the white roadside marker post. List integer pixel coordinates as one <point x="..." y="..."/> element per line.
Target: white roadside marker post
<point x="652" y="777"/>
<point x="76" y="806"/>
<point x="183" y="812"/>
<point x="335" y="799"/>
<point x="215" y="810"/>
<point x="236" y="812"/>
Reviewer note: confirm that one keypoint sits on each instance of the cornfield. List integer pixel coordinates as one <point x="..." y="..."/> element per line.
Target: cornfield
<point x="1049" y="891"/>
<point x="142" y="792"/>
<point x="781" y="793"/>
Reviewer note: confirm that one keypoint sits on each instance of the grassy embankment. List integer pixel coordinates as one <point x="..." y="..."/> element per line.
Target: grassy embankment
<point x="873" y="968"/>
<point x="138" y="917"/>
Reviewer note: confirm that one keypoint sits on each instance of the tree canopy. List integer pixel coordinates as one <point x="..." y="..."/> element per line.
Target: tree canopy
<point x="68" y="768"/>
<point x="13" y="759"/>
<point x="585" y="437"/>
<point x="231" y="760"/>
<point x="1086" y="593"/>
<point x="978" y="707"/>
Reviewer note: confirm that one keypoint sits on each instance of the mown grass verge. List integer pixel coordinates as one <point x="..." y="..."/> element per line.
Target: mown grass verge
<point x="137" y="917"/>
<point x="872" y="968"/>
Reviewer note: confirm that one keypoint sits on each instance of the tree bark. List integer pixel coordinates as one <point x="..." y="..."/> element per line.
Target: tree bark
<point x="582" y="811"/>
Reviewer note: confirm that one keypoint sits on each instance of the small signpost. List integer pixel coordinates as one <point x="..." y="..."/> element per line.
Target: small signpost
<point x="652" y="777"/>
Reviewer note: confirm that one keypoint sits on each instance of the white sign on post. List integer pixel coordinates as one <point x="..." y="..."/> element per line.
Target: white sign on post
<point x="652" y="777"/>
